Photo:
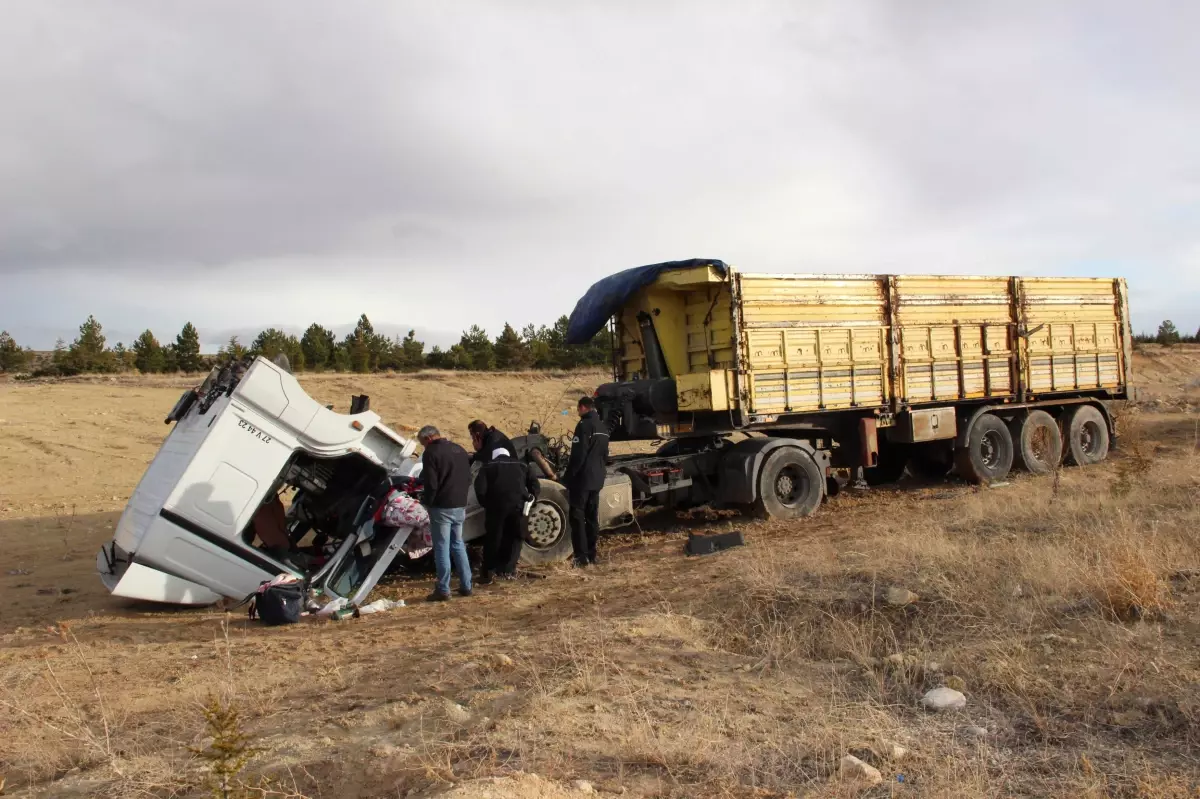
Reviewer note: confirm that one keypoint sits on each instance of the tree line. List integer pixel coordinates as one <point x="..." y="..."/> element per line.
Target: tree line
<point x="362" y="351"/>
<point x="1168" y="335"/>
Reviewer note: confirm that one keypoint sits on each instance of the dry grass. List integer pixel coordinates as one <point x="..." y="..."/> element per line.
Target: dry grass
<point x="1063" y="607"/>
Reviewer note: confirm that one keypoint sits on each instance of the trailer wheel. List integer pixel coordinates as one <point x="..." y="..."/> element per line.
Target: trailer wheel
<point x="931" y="462"/>
<point x="1086" y="437"/>
<point x="547" y="530"/>
<point x="790" y="485"/>
<point x="988" y="456"/>
<point x="1038" y="443"/>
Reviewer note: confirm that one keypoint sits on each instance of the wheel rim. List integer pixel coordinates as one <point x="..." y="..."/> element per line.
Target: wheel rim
<point x="546" y="525"/>
<point x="1089" y="438"/>
<point x="790" y="485"/>
<point x="990" y="447"/>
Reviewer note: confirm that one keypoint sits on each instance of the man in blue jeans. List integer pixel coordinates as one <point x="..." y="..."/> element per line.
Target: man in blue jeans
<point x="446" y="474"/>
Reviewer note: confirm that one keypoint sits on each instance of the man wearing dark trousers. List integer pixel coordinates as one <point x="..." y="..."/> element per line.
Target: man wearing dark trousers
<point x="487" y="440"/>
<point x="503" y="486"/>
<point x="586" y="470"/>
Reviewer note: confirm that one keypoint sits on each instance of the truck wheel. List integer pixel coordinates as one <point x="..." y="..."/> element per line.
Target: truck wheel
<point x="1038" y="443"/>
<point x="1086" y="436"/>
<point x="548" y="528"/>
<point x="892" y="460"/>
<point x="790" y="485"/>
<point x="988" y="456"/>
<point x="931" y="462"/>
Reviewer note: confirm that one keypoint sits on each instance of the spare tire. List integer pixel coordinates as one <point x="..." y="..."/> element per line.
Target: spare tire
<point x="988" y="456"/>
<point x="790" y="485"/>
<point x="1085" y="436"/>
<point x="1038" y="443"/>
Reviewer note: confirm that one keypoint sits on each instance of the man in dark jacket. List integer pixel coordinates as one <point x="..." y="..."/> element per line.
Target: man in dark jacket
<point x="446" y="474"/>
<point x="486" y="440"/>
<point x="586" y="470"/>
<point x="503" y="486"/>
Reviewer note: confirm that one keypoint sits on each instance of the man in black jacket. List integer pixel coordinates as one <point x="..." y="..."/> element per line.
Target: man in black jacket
<point x="586" y="470"/>
<point x="486" y="440"/>
<point x="503" y="486"/>
<point x="446" y="474"/>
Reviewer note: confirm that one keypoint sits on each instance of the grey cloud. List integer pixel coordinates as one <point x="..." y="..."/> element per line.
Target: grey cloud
<point x="501" y="157"/>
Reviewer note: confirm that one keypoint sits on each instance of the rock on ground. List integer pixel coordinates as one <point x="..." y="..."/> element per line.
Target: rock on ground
<point x="943" y="699"/>
<point x="854" y="770"/>
<point x="898" y="597"/>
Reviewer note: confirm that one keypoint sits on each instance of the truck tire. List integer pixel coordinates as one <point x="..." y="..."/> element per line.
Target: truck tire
<point x="547" y="530"/>
<point x="1085" y="436"/>
<point x="988" y="456"/>
<point x="1038" y="443"/>
<point x="790" y="485"/>
<point x="931" y="462"/>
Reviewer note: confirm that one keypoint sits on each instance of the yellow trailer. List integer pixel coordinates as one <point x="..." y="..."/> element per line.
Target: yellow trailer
<point x="879" y="370"/>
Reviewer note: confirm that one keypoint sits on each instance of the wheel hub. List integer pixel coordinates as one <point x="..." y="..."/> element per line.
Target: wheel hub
<point x="545" y="525"/>
<point x="1087" y="439"/>
<point x="989" y="452"/>
<point x="788" y="486"/>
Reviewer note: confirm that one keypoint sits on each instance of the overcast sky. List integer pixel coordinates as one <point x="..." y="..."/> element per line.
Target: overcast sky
<point x="242" y="164"/>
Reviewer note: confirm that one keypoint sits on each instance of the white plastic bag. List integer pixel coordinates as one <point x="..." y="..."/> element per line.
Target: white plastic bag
<point x="381" y="606"/>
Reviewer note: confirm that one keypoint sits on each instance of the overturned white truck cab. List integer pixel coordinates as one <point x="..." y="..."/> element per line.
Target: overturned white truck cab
<point x="187" y="535"/>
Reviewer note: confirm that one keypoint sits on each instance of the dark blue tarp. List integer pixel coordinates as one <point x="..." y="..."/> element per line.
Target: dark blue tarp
<point x="605" y="298"/>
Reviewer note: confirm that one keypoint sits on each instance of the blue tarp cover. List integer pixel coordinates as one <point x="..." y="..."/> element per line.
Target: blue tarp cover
<point x="606" y="297"/>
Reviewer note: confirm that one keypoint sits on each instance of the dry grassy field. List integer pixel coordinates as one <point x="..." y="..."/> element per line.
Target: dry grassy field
<point x="1066" y="609"/>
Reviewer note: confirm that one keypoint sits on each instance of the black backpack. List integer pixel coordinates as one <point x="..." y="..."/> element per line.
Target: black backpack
<point x="282" y="603"/>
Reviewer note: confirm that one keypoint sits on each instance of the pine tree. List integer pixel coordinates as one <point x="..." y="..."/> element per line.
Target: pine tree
<point x="12" y="357"/>
<point x="187" y="350"/>
<point x="411" y="353"/>
<point x="61" y="362"/>
<point x="87" y="352"/>
<point x="478" y="352"/>
<point x="123" y="357"/>
<point x="233" y="350"/>
<point x="1168" y="335"/>
<point x="170" y="355"/>
<point x="364" y="349"/>
<point x="148" y="354"/>
<point x="512" y="353"/>
<point x="318" y="346"/>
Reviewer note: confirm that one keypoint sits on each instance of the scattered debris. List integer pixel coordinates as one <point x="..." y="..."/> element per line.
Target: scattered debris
<point x="18" y="572"/>
<point x="381" y="606"/>
<point x="334" y="609"/>
<point x="698" y="544"/>
<point x="855" y="770"/>
<point x="940" y="699"/>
